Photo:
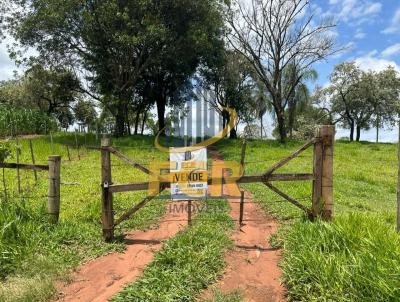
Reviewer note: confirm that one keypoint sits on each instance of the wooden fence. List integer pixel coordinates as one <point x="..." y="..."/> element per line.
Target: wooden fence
<point x="54" y="170"/>
<point x="322" y="180"/>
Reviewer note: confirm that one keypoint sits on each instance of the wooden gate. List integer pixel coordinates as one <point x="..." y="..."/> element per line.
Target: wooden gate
<point x="322" y="180"/>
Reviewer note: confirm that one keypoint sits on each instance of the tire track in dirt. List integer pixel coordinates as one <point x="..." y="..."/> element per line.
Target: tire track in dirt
<point x="252" y="265"/>
<point x="99" y="279"/>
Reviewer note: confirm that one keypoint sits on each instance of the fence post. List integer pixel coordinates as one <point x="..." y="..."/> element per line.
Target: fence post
<point x="189" y="212"/>
<point x="33" y="159"/>
<point x="316" y="208"/>
<point x="54" y="187"/>
<point x="107" y="198"/>
<point x="77" y="146"/>
<point x="69" y="155"/>
<point x="322" y="203"/>
<point x="18" y="149"/>
<point x="241" y="208"/>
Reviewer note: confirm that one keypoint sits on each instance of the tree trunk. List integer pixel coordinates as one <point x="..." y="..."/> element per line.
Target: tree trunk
<point x="120" y="121"/>
<point x="377" y="130"/>
<point x="233" y="133"/>
<point x="358" y="133"/>
<point x="161" y="103"/>
<point x="144" y="118"/>
<point x="292" y="113"/>
<point x="351" y="131"/>
<point x="128" y="125"/>
<point x="280" y="117"/>
<point x="137" y="122"/>
<point x="262" y="127"/>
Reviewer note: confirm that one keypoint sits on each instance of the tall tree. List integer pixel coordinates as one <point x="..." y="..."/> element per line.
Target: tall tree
<point x="343" y="85"/>
<point x="272" y="34"/>
<point x="387" y="99"/>
<point x="230" y="80"/>
<point x="299" y="99"/>
<point x="118" y="41"/>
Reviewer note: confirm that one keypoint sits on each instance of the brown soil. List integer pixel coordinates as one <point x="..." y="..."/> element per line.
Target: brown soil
<point x="101" y="278"/>
<point x="252" y="265"/>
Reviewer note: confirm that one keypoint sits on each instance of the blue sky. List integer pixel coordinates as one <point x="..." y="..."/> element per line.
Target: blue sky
<point x="370" y="30"/>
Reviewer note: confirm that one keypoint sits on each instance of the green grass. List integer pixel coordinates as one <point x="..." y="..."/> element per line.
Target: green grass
<point x="354" y="258"/>
<point x="33" y="252"/>
<point x="187" y="263"/>
<point x="219" y="296"/>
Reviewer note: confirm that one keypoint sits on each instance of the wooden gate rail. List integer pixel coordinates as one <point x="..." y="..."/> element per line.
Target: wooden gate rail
<point x="322" y="180"/>
<point x="141" y="186"/>
<point x="54" y="172"/>
<point x="25" y="166"/>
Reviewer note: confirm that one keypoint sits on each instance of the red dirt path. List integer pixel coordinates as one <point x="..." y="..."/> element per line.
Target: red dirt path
<point x="99" y="279"/>
<point x="252" y="265"/>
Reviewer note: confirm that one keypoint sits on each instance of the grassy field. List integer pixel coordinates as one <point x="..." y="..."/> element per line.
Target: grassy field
<point x="355" y="258"/>
<point x="34" y="253"/>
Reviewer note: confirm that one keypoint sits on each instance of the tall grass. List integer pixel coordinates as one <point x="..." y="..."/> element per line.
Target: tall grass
<point x="355" y="258"/>
<point x="33" y="252"/>
<point x="17" y="121"/>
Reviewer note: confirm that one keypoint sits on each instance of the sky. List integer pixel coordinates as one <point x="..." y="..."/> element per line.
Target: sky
<point x="369" y="29"/>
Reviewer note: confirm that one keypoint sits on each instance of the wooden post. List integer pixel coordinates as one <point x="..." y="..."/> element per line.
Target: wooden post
<point x="54" y="187"/>
<point x="241" y="207"/>
<point x="51" y="143"/>
<point x="322" y="203"/>
<point x="328" y="138"/>
<point x="317" y="203"/>
<point x="242" y="156"/>
<point x="77" y="146"/>
<point x="17" y="149"/>
<point x="189" y="212"/>
<point x="107" y="198"/>
<point x="69" y="155"/>
<point x="33" y="159"/>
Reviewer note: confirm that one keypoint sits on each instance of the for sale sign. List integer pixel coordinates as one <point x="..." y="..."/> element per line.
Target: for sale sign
<point x="188" y="171"/>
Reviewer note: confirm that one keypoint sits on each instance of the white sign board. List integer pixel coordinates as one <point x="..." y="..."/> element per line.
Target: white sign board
<point x="189" y="174"/>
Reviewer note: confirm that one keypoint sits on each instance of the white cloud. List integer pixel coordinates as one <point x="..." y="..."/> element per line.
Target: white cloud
<point x="349" y="47"/>
<point x="394" y="24"/>
<point x="354" y="10"/>
<point x="371" y="62"/>
<point x="359" y="34"/>
<point x="6" y="65"/>
<point x="391" y="50"/>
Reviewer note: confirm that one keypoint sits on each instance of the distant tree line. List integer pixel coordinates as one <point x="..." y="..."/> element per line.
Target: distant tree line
<point x="107" y="64"/>
<point x="360" y="100"/>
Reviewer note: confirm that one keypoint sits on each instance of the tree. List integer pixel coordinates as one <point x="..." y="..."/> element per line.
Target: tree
<point x="272" y="34"/>
<point x="343" y="85"/>
<point x="230" y="80"/>
<point x="118" y="42"/>
<point x="85" y="112"/>
<point x="13" y="93"/>
<point x="53" y="91"/>
<point x="386" y="103"/>
<point x="189" y="42"/>
<point x="299" y="99"/>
